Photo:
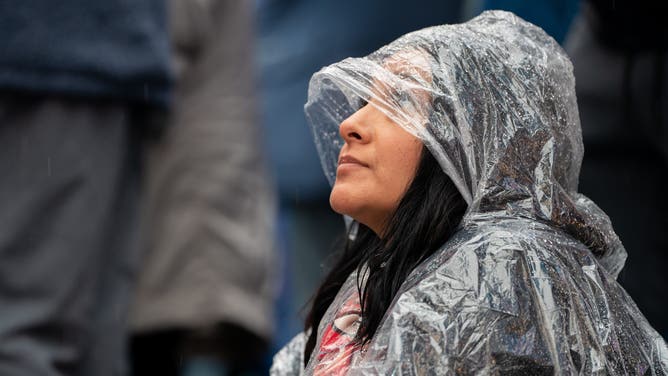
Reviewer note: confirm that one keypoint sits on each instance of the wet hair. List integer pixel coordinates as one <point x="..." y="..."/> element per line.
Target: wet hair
<point x="426" y="217"/>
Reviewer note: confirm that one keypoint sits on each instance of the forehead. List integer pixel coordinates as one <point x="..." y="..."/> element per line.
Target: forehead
<point x="405" y="71"/>
<point x="404" y="84"/>
<point x="411" y="64"/>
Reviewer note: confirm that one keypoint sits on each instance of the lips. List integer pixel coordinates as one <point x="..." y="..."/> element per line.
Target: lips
<point x="348" y="159"/>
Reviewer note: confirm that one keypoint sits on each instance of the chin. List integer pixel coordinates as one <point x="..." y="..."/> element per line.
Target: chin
<point x="343" y="202"/>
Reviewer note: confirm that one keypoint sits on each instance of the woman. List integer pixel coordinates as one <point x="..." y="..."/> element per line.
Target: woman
<point x="456" y="151"/>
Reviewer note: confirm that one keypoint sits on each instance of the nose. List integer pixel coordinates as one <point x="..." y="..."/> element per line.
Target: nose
<point x="354" y="129"/>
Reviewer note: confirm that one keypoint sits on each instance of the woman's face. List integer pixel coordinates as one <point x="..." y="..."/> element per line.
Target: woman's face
<point x="376" y="165"/>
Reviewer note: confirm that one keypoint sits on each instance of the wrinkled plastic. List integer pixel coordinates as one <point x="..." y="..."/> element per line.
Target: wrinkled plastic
<point x="527" y="285"/>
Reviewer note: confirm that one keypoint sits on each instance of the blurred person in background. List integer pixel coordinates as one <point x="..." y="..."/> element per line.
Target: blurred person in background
<point x="205" y="294"/>
<point x="296" y="38"/>
<point x="80" y="83"/>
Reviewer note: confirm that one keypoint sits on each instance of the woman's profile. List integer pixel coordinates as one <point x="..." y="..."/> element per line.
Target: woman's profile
<point x="456" y="151"/>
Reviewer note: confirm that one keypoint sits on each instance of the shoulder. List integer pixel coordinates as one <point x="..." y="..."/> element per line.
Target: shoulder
<point x="509" y="297"/>
<point x="494" y="265"/>
<point x="480" y="267"/>
<point x="490" y="298"/>
<point x="290" y="359"/>
<point x="456" y="308"/>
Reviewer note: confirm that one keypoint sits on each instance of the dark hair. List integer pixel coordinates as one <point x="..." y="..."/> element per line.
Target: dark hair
<point x="426" y="217"/>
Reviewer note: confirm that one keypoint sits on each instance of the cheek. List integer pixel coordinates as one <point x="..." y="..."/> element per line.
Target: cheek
<point x="399" y="168"/>
<point x="394" y="188"/>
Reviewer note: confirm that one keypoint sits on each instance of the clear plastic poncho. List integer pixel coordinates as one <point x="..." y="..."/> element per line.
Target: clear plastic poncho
<point x="527" y="285"/>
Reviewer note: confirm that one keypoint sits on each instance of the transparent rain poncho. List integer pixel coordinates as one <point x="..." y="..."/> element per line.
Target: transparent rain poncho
<point x="527" y="284"/>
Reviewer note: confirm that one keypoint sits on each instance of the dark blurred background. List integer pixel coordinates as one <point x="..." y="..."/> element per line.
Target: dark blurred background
<point x="163" y="206"/>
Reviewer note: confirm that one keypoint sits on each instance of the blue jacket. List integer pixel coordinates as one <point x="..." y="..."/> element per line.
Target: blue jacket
<point x="113" y="49"/>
